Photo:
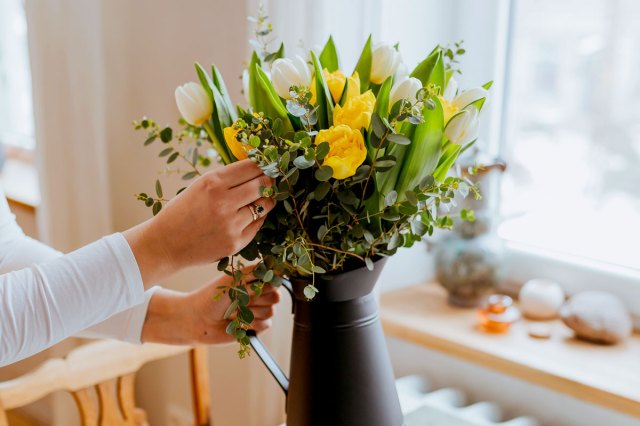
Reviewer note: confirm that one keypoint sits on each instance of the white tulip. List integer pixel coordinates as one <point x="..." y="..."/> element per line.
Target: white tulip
<point x="287" y="72"/>
<point x="384" y="62"/>
<point x="402" y="72"/>
<point x="193" y="103"/>
<point x="404" y="89"/>
<point x="465" y="98"/>
<point x="463" y="127"/>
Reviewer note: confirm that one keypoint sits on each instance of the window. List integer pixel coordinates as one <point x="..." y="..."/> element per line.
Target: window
<point x="16" y="109"/>
<point x="572" y="132"/>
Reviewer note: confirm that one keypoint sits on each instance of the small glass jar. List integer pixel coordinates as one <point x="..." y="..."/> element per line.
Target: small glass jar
<point x="497" y="314"/>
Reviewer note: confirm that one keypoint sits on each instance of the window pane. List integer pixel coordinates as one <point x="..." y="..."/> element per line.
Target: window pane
<point x="16" y="110"/>
<point x="572" y="137"/>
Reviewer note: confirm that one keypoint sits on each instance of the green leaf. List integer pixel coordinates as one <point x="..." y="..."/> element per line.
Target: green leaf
<point x="231" y="327"/>
<point x="363" y="67"/>
<point x="329" y="56"/>
<point x="245" y="314"/>
<point x="205" y="80"/>
<point x="431" y="70"/>
<point x="322" y="190"/>
<point x="302" y="163"/>
<point x="390" y="198"/>
<point x="150" y="139"/>
<point x="411" y="198"/>
<point x="322" y="150"/>
<point x="166" y="134"/>
<point x="189" y="175"/>
<point x="284" y="161"/>
<point x="399" y="139"/>
<point x="319" y="270"/>
<point x="449" y="157"/>
<point x="418" y="228"/>
<point x="310" y="292"/>
<point x="322" y="232"/>
<point x="173" y="157"/>
<point x="268" y="101"/>
<point x="324" y="173"/>
<point x="369" y="263"/>
<point x="395" y="241"/>
<point x="223" y="263"/>
<point x="377" y="126"/>
<point x="268" y="276"/>
<point x="165" y="152"/>
<point x="157" y="206"/>
<point x="423" y="154"/>
<point x="324" y="100"/>
<point x="158" y="188"/>
<point x="382" y="99"/>
<point x="218" y="82"/>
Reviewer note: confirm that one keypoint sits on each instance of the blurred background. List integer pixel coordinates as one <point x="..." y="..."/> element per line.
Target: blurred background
<point x="564" y="114"/>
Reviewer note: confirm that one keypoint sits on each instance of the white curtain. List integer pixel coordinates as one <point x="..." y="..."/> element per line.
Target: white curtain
<point x="66" y="49"/>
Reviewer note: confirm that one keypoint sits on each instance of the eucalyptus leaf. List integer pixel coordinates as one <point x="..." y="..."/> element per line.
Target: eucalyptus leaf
<point x="324" y="173"/>
<point x="399" y="139"/>
<point x="302" y="163"/>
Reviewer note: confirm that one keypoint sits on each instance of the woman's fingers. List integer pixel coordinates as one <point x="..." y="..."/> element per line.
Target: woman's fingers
<point x="269" y="296"/>
<point x="239" y="172"/>
<point x="263" y="312"/>
<point x="248" y="192"/>
<point x="260" y="326"/>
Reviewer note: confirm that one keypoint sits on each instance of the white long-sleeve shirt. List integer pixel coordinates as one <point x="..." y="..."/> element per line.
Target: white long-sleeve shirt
<point x="45" y="297"/>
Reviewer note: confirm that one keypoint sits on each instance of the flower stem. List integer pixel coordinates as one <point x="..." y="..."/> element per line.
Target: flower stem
<point x="217" y="144"/>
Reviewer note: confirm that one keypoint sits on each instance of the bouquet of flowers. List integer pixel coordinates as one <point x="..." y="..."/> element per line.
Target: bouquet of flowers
<point x="360" y="159"/>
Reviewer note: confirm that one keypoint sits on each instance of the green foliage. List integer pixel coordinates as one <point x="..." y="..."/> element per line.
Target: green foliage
<point x="363" y="67"/>
<point x="322" y="225"/>
<point x="329" y="56"/>
<point x="323" y="96"/>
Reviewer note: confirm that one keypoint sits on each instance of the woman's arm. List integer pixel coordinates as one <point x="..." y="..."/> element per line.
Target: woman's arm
<point x="45" y="303"/>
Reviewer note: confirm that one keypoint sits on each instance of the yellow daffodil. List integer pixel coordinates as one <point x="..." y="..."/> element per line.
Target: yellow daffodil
<point x="236" y="147"/>
<point x="356" y="112"/>
<point x="336" y="82"/>
<point x="353" y="86"/>
<point x="346" y="149"/>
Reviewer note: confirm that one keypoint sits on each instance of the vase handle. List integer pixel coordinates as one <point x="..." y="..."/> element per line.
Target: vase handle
<point x="264" y="354"/>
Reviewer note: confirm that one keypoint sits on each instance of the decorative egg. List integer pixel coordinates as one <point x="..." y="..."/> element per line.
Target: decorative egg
<point x="541" y="299"/>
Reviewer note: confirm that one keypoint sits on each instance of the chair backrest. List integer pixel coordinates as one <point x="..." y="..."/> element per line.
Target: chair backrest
<point x="100" y="377"/>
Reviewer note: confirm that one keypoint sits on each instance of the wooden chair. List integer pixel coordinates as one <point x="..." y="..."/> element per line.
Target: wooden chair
<point x="100" y="377"/>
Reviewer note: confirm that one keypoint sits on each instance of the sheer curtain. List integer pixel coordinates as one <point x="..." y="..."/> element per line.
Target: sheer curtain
<point x="65" y="43"/>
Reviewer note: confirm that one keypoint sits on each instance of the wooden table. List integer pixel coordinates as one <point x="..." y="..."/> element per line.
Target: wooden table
<point x="604" y="375"/>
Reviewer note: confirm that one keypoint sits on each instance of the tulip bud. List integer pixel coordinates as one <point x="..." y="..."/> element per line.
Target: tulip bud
<point x="463" y="127"/>
<point x="404" y="89"/>
<point x="384" y="62"/>
<point x="402" y="72"/>
<point x="193" y="103"/>
<point x="286" y="73"/>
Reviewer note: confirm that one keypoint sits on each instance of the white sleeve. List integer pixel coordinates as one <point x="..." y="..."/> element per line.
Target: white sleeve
<point x="46" y="303"/>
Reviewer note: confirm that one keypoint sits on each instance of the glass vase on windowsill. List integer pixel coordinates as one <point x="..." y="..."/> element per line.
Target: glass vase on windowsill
<point x="469" y="259"/>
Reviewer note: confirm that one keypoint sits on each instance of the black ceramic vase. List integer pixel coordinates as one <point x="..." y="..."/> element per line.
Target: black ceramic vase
<point x="341" y="373"/>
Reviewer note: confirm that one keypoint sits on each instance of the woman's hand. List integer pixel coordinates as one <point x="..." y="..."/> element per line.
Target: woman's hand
<point x="196" y="318"/>
<point x="211" y="219"/>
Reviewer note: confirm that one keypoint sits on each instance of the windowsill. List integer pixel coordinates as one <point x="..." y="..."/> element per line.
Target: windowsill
<point x="604" y="375"/>
<point x="19" y="180"/>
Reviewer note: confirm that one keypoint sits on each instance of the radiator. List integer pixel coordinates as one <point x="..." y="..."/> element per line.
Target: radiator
<point x="448" y="407"/>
